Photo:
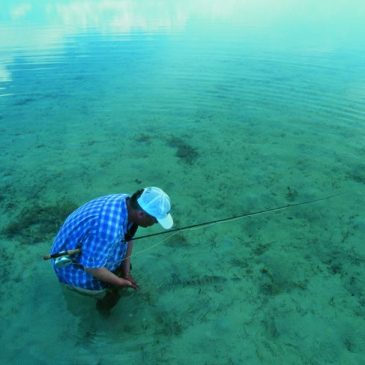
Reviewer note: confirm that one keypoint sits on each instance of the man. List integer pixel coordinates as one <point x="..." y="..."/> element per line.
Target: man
<point x="103" y="229"/>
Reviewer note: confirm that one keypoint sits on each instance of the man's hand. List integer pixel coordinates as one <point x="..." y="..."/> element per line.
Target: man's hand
<point x="131" y="280"/>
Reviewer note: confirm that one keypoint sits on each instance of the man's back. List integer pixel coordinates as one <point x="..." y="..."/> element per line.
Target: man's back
<point x="98" y="228"/>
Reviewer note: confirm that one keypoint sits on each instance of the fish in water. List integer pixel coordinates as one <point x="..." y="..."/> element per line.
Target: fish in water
<point x="200" y="281"/>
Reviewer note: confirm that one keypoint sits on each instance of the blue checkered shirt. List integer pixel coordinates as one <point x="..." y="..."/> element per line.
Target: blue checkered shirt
<point x="98" y="228"/>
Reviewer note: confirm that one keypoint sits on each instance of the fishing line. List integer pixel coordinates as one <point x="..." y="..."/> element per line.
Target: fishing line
<point x="151" y="247"/>
<point x="173" y="232"/>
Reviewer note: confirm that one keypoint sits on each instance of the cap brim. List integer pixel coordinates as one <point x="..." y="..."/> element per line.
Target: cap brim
<point x="166" y="222"/>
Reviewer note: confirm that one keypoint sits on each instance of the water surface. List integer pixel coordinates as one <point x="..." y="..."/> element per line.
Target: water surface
<point x="230" y="107"/>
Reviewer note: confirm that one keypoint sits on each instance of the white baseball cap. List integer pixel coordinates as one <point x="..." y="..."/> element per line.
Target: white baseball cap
<point x="156" y="202"/>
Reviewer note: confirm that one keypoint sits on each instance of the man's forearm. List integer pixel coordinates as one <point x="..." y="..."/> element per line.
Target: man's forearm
<point x="126" y="262"/>
<point x="106" y="276"/>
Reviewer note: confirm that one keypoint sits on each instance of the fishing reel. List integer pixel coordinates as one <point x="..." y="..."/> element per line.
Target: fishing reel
<point x="62" y="261"/>
<point x="63" y="258"/>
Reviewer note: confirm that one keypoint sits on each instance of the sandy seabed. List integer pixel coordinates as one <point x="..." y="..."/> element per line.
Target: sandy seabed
<point x="278" y="287"/>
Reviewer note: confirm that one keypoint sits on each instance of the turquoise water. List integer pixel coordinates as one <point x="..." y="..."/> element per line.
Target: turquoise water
<point x="230" y="107"/>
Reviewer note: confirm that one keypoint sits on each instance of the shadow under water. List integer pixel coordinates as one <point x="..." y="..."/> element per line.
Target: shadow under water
<point x="38" y="223"/>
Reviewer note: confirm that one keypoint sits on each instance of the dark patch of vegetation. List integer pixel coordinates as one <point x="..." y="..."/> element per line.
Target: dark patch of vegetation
<point x="178" y="241"/>
<point x="143" y="138"/>
<point x="5" y="261"/>
<point x="269" y="286"/>
<point x="357" y="175"/>
<point x="184" y="151"/>
<point x="24" y="101"/>
<point x="239" y="262"/>
<point x="205" y="280"/>
<point x="167" y="326"/>
<point x="38" y="223"/>
<point x="261" y="248"/>
<point x="291" y="194"/>
<point x="273" y="283"/>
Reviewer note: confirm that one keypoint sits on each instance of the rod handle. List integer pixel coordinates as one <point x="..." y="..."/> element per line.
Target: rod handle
<point x="62" y="253"/>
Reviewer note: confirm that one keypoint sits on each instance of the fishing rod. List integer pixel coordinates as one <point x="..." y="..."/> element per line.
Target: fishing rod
<point x="205" y="224"/>
<point x="62" y="253"/>
<point x="249" y="214"/>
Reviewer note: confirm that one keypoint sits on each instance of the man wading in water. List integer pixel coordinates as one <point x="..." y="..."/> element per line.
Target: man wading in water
<point x="103" y="230"/>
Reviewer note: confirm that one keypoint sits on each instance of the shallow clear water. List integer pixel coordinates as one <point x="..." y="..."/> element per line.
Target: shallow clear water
<point x="231" y="107"/>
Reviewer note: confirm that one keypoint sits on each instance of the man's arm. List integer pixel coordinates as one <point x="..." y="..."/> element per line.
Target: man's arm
<point x="126" y="264"/>
<point x="107" y="276"/>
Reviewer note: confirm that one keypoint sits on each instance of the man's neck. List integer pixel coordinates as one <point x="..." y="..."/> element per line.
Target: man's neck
<point x="131" y="212"/>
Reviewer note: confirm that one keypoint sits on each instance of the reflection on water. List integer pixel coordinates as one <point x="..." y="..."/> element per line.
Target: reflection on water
<point x="41" y="31"/>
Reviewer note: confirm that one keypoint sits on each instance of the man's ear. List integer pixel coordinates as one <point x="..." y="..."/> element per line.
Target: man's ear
<point x="140" y="214"/>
